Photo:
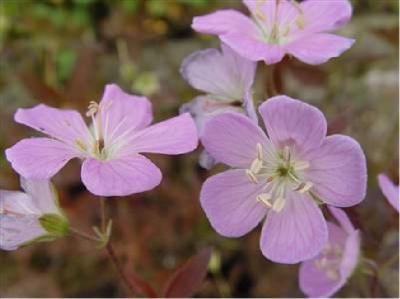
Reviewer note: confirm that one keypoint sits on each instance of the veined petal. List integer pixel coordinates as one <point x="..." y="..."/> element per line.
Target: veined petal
<point x="292" y="122"/>
<point x="232" y="138"/>
<point x="318" y="48"/>
<point x="39" y="158"/>
<point x="123" y="113"/>
<point x="42" y="193"/>
<point x="220" y="73"/>
<point x="120" y="177"/>
<point x="338" y="171"/>
<point x="343" y="219"/>
<point x="296" y="233"/>
<point x="390" y="190"/>
<point x="64" y="125"/>
<point x="16" y="231"/>
<point x="174" y="136"/>
<point x="223" y="21"/>
<point x="17" y="203"/>
<point x="321" y="15"/>
<point x="229" y="200"/>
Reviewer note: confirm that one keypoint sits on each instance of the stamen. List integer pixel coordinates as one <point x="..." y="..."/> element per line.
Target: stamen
<point x="251" y="176"/>
<point x="81" y="145"/>
<point x="301" y="165"/>
<point x="286" y="153"/>
<point x="304" y="187"/>
<point x="332" y="274"/>
<point x="259" y="151"/>
<point x="279" y="204"/>
<point x="256" y="165"/>
<point x="300" y="19"/>
<point x="93" y="108"/>
<point x="264" y="197"/>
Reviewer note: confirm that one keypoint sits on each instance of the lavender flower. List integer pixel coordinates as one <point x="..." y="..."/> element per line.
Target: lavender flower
<point x="280" y="176"/>
<point x="390" y="190"/>
<point x="110" y="148"/>
<point x="325" y="274"/>
<point x="279" y="27"/>
<point x="226" y="78"/>
<point x="30" y="216"/>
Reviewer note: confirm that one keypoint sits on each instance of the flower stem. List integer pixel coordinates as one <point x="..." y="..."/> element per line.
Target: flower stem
<point x="111" y="254"/>
<point x="83" y="235"/>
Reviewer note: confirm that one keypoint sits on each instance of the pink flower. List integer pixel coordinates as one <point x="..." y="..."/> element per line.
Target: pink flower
<point x="226" y="78"/>
<point x="110" y="148"/>
<point x="325" y="274"/>
<point x="30" y="216"/>
<point x="390" y="190"/>
<point x="281" y="177"/>
<point x="279" y="27"/>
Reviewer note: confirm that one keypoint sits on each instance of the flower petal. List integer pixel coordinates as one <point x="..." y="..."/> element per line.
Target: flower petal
<point x="229" y="201"/>
<point x="39" y="158"/>
<point x="315" y="282"/>
<point x="224" y="74"/>
<point x="390" y="190"/>
<point x="64" y="125"/>
<point x="325" y="15"/>
<point x="318" y="48"/>
<point x="343" y="219"/>
<point x="291" y="121"/>
<point x="296" y="233"/>
<point x="122" y="112"/>
<point x="232" y="138"/>
<point x="15" y="202"/>
<point x="124" y="176"/>
<point x="223" y="21"/>
<point x="42" y="193"/>
<point x="174" y="136"/>
<point x="338" y="171"/>
<point x="16" y="231"/>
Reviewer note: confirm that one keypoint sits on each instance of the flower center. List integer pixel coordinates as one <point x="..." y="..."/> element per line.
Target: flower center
<point x="329" y="262"/>
<point x="279" y="172"/>
<point x="276" y="32"/>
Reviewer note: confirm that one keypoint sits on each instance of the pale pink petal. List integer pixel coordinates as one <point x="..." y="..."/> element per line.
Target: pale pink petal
<point x="206" y="161"/>
<point x="120" y="177"/>
<point x="39" y="158"/>
<point x="203" y="108"/>
<point x="42" y="193"/>
<point x="123" y="113"/>
<point x="219" y="73"/>
<point x="222" y="22"/>
<point x="17" y="203"/>
<point x="250" y="46"/>
<point x="338" y="171"/>
<point x="318" y="48"/>
<point x="390" y="190"/>
<point x="232" y="138"/>
<point x="293" y="123"/>
<point x="174" y="136"/>
<point x="249" y="107"/>
<point x="65" y="125"/>
<point x="16" y="231"/>
<point x="343" y="219"/>
<point x="322" y="15"/>
<point x="229" y="201"/>
<point x="315" y="282"/>
<point x="296" y="233"/>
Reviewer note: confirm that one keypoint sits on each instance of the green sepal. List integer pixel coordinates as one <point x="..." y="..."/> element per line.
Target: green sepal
<point x="43" y="238"/>
<point x="56" y="225"/>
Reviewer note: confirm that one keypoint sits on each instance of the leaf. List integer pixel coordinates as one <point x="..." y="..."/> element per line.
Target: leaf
<point x="188" y="278"/>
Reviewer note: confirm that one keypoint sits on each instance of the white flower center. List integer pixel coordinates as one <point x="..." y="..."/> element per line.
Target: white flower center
<point x="329" y="262"/>
<point x="277" y="32"/>
<point x="279" y="172"/>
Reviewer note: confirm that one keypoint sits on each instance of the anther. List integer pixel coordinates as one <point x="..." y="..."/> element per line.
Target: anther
<point x="264" y="198"/>
<point x="286" y="153"/>
<point x="332" y="274"/>
<point x="259" y="151"/>
<point x="279" y="204"/>
<point x="93" y="108"/>
<point x="256" y="165"/>
<point x="304" y="187"/>
<point x="251" y="176"/>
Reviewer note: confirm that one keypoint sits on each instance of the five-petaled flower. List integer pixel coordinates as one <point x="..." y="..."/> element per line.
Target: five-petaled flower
<point x="226" y="78"/>
<point x="325" y="274"/>
<point x="30" y="216"/>
<point x="390" y="190"/>
<point x="277" y="27"/>
<point x="281" y="176"/>
<point x="110" y="147"/>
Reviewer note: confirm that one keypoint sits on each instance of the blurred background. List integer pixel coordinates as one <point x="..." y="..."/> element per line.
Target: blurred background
<point x="63" y="52"/>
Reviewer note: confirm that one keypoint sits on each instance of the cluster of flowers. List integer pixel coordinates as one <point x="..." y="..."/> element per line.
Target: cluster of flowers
<point x="281" y="174"/>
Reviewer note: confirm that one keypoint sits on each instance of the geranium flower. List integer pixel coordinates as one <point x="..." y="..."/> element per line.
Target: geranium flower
<point x="328" y="272"/>
<point x="281" y="177"/>
<point x="390" y="190"/>
<point x="110" y="148"/>
<point x="30" y="216"/>
<point x="279" y="27"/>
<point x="226" y="78"/>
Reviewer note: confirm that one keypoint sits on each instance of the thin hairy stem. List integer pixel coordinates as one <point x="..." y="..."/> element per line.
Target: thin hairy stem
<point x="83" y="235"/>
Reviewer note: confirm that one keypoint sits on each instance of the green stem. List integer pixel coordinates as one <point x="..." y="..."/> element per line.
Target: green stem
<point x="83" y="235"/>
